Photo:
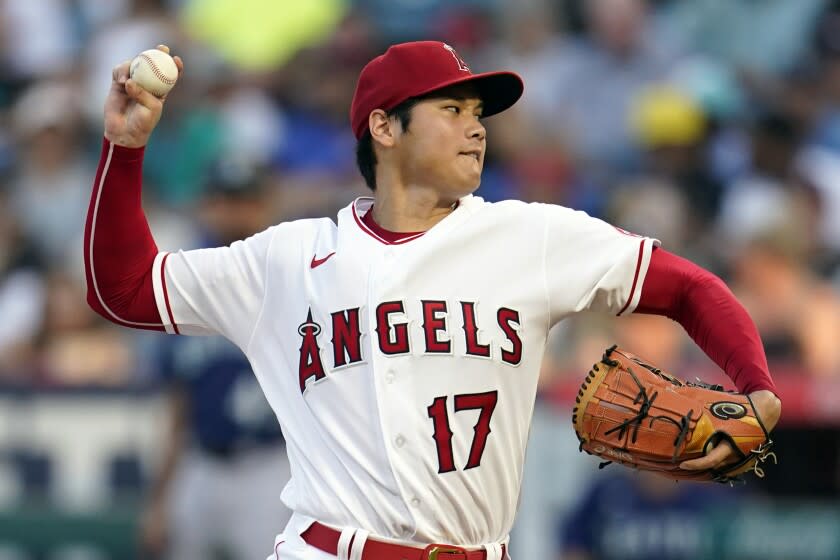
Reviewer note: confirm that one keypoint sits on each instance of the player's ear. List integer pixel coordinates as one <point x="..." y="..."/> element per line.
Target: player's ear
<point x="382" y="128"/>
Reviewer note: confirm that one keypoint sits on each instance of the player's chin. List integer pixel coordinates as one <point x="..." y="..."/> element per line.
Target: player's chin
<point x="467" y="185"/>
<point x="470" y="177"/>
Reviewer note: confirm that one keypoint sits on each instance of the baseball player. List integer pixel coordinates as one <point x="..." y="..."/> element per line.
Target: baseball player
<point x="400" y="344"/>
<point x="222" y="446"/>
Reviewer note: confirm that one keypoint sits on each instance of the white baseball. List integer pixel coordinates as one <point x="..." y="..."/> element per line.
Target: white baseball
<point x="155" y="71"/>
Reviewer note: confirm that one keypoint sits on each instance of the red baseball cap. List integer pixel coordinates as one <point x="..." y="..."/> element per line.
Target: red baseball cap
<point x="417" y="68"/>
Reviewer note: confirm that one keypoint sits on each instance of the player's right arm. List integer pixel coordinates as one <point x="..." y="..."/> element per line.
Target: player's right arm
<point x="119" y="250"/>
<point x="130" y="282"/>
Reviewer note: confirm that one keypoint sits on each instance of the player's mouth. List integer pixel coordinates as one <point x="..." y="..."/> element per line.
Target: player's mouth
<point x="475" y="154"/>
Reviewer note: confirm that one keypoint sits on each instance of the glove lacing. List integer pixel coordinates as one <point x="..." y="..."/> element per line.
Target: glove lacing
<point x="683" y="425"/>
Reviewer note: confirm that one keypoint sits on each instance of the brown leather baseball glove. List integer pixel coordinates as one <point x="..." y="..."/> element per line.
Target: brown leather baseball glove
<point x="632" y="413"/>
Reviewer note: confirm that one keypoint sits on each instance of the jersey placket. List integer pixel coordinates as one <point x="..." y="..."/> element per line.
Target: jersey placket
<point x="387" y="375"/>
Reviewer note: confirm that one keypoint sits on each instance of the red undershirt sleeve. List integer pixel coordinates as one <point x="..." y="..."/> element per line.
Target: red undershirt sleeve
<point x="709" y="312"/>
<point x="119" y="249"/>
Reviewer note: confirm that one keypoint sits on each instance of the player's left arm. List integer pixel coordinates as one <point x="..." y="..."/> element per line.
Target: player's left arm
<point x="709" y="312"/>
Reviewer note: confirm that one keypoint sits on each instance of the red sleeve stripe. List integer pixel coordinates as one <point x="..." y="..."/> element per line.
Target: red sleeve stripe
<point x="631" y="297"/>
<point x="166" y="294"/>
<point x="99" y="188"/>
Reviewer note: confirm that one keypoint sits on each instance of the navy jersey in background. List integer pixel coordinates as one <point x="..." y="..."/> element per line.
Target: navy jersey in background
<point x="640" y="516"/>
<point x="227" y="409"/>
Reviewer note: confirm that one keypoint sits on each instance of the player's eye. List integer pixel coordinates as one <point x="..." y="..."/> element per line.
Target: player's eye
<point x="453" y="108"/>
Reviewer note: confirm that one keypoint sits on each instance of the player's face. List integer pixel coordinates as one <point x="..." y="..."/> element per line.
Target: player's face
<point x="445" y="143"/>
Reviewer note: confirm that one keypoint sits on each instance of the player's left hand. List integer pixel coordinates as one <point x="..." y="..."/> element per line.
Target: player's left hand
<point x="769" y="409"/>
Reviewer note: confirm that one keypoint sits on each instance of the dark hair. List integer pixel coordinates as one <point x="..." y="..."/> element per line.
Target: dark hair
<point x="365" y="156"/>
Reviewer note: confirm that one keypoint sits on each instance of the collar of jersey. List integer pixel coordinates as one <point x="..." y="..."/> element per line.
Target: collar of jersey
<point x="362" y="206"/>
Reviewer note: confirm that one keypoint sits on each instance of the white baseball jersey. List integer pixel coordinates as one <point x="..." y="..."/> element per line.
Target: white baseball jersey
<point x="404" y="375"/>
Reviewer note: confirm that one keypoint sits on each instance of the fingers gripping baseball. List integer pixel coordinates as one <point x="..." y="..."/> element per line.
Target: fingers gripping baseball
<point x="131" y="111"/>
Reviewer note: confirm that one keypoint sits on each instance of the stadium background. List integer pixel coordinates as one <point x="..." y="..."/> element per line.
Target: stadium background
<point x="714" y="126"/>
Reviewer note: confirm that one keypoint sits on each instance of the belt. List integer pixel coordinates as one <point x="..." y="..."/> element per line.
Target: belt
<point x="326" y="539"/>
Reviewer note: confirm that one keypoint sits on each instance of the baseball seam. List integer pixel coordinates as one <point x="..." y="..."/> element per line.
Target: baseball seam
<point x="157" y="71"/>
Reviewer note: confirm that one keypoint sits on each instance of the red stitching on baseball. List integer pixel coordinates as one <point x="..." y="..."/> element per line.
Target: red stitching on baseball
<point x="160" y="75"/>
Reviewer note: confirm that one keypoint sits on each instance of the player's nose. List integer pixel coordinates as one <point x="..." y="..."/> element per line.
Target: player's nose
<point x="476" y="131"/>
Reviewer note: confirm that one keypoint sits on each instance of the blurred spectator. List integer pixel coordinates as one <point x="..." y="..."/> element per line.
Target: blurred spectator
<point x="824" y="73"/>
<point x="37" y="39"/>
<point x="223" y="458"/>
<point x="95" y="13"/>
<point x="594" y="86"/>
<point x="51" y="187"/>
<point x="410" y="20"/>
<point x="818" y="170"/>
<point x="764" y="37"/>
<point x="764" y="198"/>
<point x="21" y="299"/>
<point x="712" y="85"/>
<point x="222" y="448"/>
<point x="797" y="313"/>
<point x="529" y="158"/>
<point x="655" y="207"/>
<point x="637" y="515"/>
<point x="317" y="139"/>
<point x="224" y="113"/>
<point x="237" y="201"/>
<point x="656" y="339"/>
<point x="673" y="130"/>
<point x="75" y="347"/>
<point x="533" y="44"/>
<point x="529" y="163"/>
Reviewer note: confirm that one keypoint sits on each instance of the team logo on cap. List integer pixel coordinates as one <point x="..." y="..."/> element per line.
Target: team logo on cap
<point x="462" y="66"/>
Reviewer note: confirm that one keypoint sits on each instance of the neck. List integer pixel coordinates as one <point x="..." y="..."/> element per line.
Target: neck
<point x="411" y="209"/>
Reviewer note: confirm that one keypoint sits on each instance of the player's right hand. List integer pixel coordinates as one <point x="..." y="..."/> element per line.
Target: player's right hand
<point x="131" y="113"/>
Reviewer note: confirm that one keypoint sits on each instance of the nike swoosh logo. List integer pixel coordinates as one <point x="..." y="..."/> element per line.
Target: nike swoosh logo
<point x="318" y="262"/>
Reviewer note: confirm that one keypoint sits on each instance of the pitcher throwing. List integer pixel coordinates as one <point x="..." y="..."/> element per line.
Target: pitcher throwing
<point x="400" y="344"/>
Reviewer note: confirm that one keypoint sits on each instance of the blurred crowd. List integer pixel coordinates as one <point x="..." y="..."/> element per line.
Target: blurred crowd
<point x="713" y="126"/>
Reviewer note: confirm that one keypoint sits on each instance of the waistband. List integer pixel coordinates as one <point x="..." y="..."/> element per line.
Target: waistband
<point x="358" y="544"/>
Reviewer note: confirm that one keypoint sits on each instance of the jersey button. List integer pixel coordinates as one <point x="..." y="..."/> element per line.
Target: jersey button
<point x="389" y="254"/>
<point x="415" y="501"/>
<point x="389" y="377"/>
<point x="399" y="441"/>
